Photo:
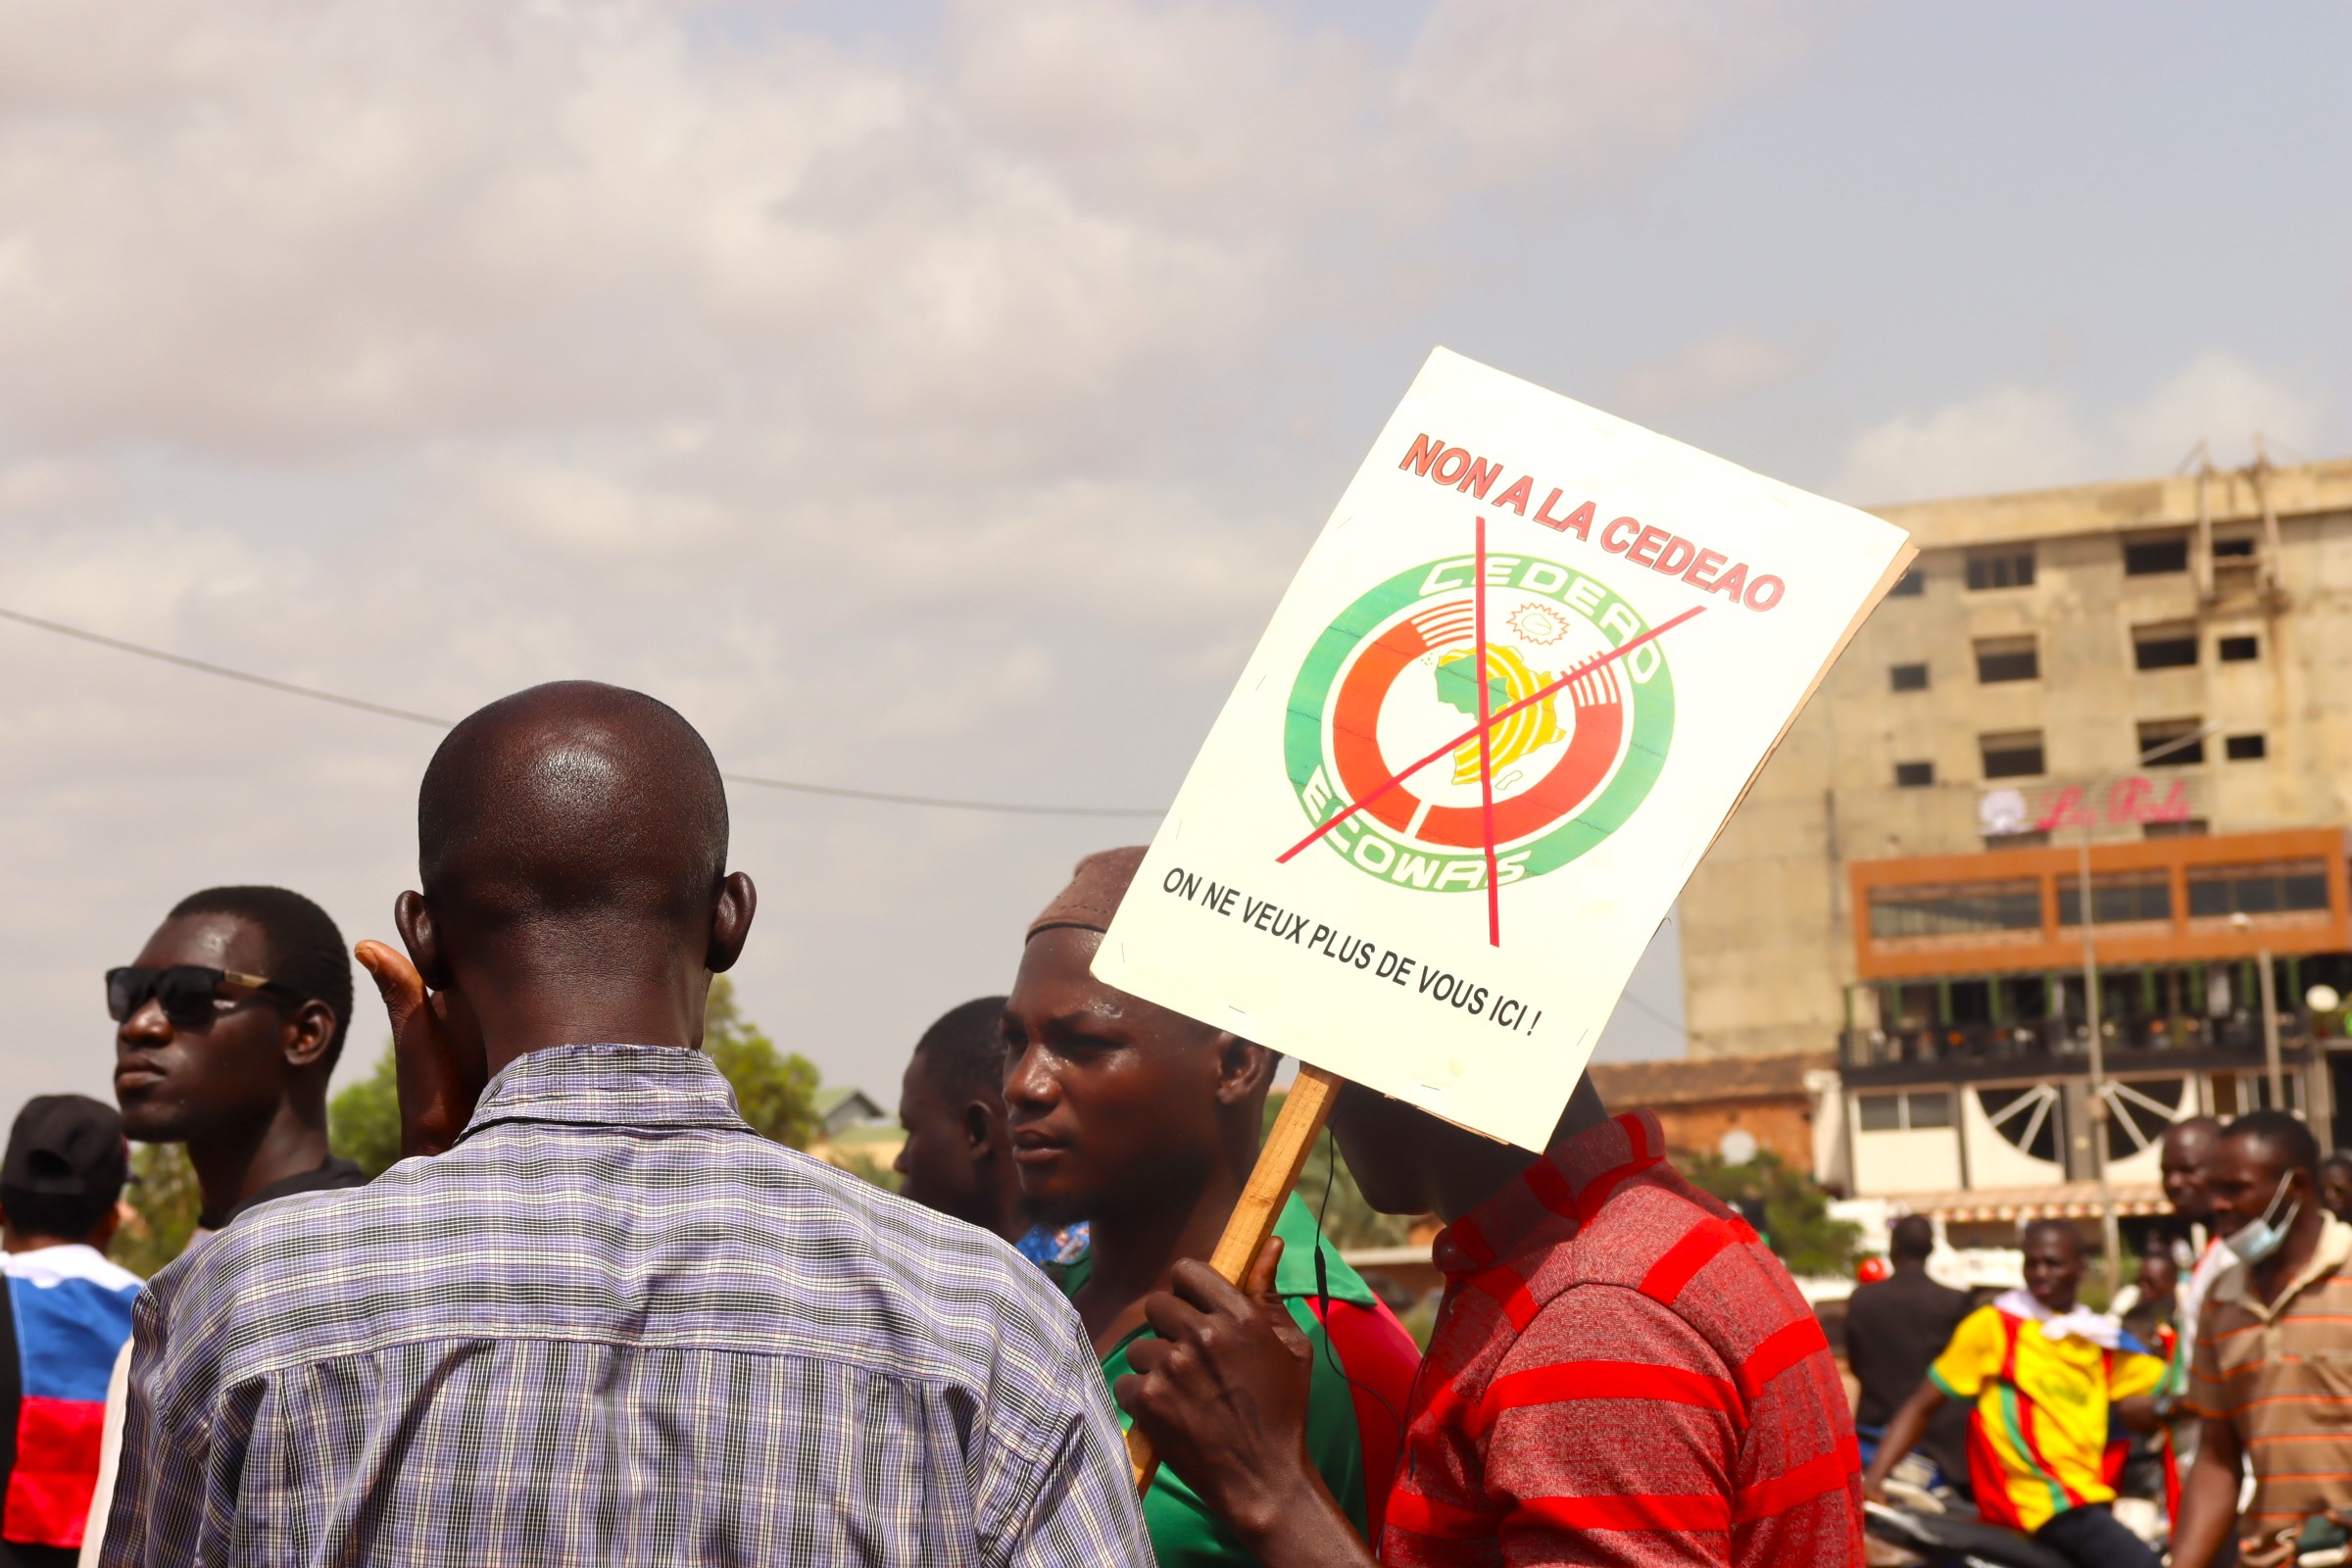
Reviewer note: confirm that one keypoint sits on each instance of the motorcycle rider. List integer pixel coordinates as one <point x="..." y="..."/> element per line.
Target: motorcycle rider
<point x="2044" y="1376"/>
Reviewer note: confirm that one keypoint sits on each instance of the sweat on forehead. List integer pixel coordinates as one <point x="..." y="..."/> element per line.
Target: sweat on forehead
<point x="572" y="797"/>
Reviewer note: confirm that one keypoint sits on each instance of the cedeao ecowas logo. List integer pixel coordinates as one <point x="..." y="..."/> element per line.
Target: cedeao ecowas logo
<point x="1391" y="679"/>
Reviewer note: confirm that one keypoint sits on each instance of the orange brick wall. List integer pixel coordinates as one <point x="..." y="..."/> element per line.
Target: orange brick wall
<point x="1784" y="1126"/>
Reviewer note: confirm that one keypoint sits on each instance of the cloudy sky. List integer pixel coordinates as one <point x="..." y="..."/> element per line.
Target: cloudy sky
<point x="936" y="397"/>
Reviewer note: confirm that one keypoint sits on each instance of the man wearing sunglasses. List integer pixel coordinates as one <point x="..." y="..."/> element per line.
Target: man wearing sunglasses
<point x="606" y="1321"/>
<point x="227" y="1028"/>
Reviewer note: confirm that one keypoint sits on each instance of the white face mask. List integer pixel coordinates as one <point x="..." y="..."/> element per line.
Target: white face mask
<point x="2259" y="1240"/>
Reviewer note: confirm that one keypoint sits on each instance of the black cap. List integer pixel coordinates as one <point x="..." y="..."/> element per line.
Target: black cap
<point x="66" y="1146"/>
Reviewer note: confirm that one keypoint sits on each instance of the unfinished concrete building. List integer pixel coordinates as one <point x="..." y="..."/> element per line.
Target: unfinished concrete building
<point x="2156" y="667"/>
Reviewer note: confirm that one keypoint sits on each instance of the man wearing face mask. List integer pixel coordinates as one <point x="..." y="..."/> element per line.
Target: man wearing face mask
<point x="2270" y="1379"/>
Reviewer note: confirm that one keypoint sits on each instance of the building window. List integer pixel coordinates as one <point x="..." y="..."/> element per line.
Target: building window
<point x="2170" y="646"/>
<point x="2238" y="650"/>
<point x="1970" y="908"/>
<point x="1918" y="1111"/>
<point x="2244" y="747"/>
<point x="2118" y="899"/>
<point x="2009" y="568"/>
<point x="2282" y="888"/>
<point x="1910" y="585"/>
<point x="2029" y="1117"/>
<point x="2146" y="558"/>
<point x="1908" y="678"/>
<point x="1927" y="1107"/>
<point x="2012" y="754"/>
<point x="2240" y="548"/>
<point x="2000" y="659"/>
<point x="2030" y="839"/>
<point x="1913" y="775"/>
<point x="2168" y="743"/>
<point x="2188" y="827"/>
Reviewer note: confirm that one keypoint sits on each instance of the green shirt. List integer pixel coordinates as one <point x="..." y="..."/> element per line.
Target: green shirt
<point x="1183" y="1531"/>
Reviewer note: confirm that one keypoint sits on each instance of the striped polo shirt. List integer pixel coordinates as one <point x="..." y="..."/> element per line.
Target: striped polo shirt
<point x="2281" y="1375"/>
<point x="1622" y="1372"/>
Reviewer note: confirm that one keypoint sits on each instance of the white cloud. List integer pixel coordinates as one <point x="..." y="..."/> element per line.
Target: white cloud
<point x="2012" y="438"/>
<point x="1515" y="83"/>
<point x="915" y="411"/>
<point x="2216" y="398"/>
<point x="1712" y="371"/>
<point x="2017" y="438"/>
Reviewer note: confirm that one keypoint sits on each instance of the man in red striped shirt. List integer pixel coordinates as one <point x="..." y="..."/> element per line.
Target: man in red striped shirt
<point x="1621" y="1372"/>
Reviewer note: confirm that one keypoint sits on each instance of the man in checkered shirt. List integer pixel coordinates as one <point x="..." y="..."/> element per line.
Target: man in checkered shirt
<point x="610" y="1324"/>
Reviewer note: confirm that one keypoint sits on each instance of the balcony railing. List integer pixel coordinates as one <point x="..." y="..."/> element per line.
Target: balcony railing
<point x="2064" y="1044"/>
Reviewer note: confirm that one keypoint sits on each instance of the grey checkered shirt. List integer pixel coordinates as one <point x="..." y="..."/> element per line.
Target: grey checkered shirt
<point x="615" y="1326"/>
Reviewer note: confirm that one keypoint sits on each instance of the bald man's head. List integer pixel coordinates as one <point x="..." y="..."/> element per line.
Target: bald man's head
<point x="572" y="802"/>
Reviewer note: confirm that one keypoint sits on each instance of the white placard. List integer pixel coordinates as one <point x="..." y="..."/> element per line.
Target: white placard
<point x="1652" y="619"/>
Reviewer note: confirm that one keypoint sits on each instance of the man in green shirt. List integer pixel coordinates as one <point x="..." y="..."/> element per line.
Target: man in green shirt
<point x="1146" y="1123"/>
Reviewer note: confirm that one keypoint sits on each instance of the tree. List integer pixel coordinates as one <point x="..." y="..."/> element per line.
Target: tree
<point x="363" y="1121"/>
<point x="1797" y="1212"/>
<point x="865" y="1167"/>
<point x="1349" y="1222"/>
<point x="776" y="1091"/>
<point x="165" y="1201"/>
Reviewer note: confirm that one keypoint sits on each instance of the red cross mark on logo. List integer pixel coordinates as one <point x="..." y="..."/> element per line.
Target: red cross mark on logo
<point x="1489" y="717"/>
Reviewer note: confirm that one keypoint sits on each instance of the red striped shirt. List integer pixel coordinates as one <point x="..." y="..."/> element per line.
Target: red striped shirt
<point x="1622" y="1373"/>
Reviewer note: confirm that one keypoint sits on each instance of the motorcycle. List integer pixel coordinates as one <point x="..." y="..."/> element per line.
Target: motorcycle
<point x="1931" y="1540"/>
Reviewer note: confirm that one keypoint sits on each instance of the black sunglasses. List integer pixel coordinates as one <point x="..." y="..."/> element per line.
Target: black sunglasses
<point x="186" y="992"/>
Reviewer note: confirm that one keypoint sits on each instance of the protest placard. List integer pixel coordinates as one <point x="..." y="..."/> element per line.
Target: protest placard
<point x="1527" y="671"/>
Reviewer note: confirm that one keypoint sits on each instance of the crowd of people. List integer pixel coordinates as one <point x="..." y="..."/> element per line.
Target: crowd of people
<point x="594" y="1317"/>
<point x="2230" y="1358"/>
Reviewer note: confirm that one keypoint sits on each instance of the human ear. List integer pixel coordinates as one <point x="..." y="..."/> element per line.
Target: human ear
<point x="1245" y="1068"/>
<point x="979" y="1130"/>
<point x="310" y="1032"/>
<point x="732" y="922"/>
<point x="422" y="938"/>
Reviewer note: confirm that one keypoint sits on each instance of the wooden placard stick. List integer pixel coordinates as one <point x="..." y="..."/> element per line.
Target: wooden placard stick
<point x="1303" y="1112"/>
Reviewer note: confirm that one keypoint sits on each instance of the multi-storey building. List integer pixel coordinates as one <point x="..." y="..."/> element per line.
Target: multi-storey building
<point x="2153" y="674"/>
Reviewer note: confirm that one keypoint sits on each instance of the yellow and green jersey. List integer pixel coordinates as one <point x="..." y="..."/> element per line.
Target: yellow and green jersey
<point x="2038" y="1440"/>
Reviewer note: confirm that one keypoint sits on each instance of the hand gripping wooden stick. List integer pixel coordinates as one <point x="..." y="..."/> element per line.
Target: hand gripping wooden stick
<point x="1303" y="1112"/>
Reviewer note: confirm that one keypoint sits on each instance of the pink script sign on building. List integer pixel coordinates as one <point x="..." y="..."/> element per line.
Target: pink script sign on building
<point x="2132" y="802"/>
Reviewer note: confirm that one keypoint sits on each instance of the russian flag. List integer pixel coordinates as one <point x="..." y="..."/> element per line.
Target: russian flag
<point x="73" y="1316"/>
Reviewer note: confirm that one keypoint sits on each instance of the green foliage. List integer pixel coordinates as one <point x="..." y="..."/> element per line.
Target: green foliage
<point x="776" y="1091"/>
<point x="362" y="1120"/>
<point x="1347" y="1220"/>
<point x="865" y="1167"/>
<point x="1797" y="1212"/>
<point x="165" y="1202"/>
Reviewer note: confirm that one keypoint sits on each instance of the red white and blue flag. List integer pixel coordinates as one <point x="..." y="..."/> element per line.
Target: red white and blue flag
<point x="73" y="1316"/>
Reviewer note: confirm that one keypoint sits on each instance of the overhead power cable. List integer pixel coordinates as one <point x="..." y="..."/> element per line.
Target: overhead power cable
<point x="385" y="711"/>
<point x="1643" y="1006"/>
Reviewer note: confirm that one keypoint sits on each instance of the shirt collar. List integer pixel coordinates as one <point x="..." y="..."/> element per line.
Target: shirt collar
<point x="2333" y="1251"/>
<point x="336" y="1172"/>
<point x="608" y="1086"/>
<point x="1569" y="1181"/>
<point x="1295" y="1270"/>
